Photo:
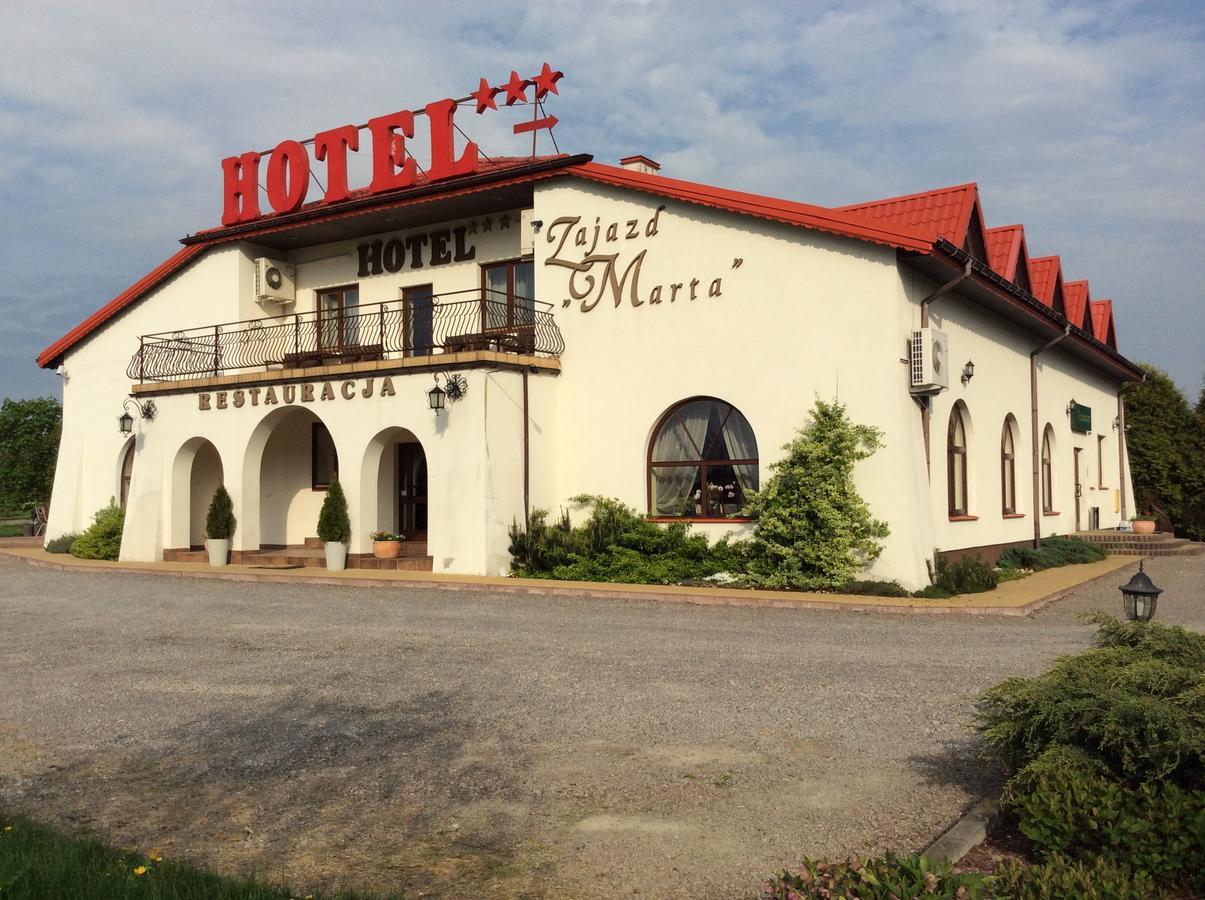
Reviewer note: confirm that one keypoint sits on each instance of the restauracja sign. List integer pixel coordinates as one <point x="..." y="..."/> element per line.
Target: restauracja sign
<point x="288" y="171"/>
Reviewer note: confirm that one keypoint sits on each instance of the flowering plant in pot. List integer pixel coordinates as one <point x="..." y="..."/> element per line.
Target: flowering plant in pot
<point x="387" y="544"/>
<point x="1144" y="523"/>
<point x="334" y="527"/>
<point x="219" y="527"/>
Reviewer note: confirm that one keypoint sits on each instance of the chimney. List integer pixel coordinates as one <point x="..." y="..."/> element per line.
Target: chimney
<point x="642" y="164"/>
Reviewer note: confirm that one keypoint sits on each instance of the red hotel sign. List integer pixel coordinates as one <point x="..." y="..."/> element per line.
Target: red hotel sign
<point x="288" y="172"/>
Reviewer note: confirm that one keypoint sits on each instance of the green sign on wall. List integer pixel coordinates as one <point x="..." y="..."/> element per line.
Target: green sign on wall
<point x="1081" y="418"/>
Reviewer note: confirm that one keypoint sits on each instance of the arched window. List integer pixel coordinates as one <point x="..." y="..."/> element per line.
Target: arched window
<point x="1008" y="467"/>
<point x="127" y="471"/>
<point x="702" y="461"/>
<point x="1047" y="476"/>
<point x="956" y="461"/>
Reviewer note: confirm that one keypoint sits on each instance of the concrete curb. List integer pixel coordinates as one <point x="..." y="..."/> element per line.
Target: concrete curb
<point x="652" y="593"/>
<point x="968" y="832"/>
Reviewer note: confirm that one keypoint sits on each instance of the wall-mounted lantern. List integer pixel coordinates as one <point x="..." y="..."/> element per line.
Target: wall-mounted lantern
<point x="1139" y="596"/>
<point x="455" y="387"/>
<point x="125" y="422"/>
<point x="968" y="371"/>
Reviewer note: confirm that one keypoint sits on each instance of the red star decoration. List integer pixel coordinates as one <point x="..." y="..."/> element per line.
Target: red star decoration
<point x="545" y="82"/>
<point x="484" y="95"/>
<point x="516" y="89"/>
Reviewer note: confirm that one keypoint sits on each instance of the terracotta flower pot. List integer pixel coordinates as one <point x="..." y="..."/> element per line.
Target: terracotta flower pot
<point x="386" y="549"/>
<point x="1143" y="527"/>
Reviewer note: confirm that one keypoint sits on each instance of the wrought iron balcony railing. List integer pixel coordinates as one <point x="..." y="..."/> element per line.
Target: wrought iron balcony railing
<point x="414" y="326"/>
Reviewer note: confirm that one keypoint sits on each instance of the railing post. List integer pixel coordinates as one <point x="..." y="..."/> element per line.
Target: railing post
<point x="216" y="351"/>
<point x="381" y="316"/>
<point x="142" y="360"/>
<point x="296" y="333"/>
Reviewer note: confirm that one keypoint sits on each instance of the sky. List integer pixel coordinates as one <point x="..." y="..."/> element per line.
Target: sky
<point x="1083" y="121"/>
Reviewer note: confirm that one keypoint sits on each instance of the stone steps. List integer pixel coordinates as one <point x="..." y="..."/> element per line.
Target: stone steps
<point x="1125" y="543"/>
<point x="413" y="558"/>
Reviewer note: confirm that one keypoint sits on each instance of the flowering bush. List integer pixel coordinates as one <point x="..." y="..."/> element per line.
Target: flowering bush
<point x="387" y="536"/>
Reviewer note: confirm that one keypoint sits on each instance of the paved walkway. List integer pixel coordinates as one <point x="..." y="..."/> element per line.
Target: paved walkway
<point x="469" y="744"/>
<point x="1013" y="598"/>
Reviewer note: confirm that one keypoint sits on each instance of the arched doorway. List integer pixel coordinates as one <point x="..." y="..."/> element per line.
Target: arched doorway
<point x="394" y="484"/>
<point x="125" y="472"/>
<point x="293" y="460"/>
<point x="196" y="474"/>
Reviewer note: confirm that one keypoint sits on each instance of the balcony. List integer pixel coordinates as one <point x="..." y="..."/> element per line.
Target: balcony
<point x="430" y="325"/>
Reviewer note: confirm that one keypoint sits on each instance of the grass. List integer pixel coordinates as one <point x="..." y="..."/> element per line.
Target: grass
<point x="12" y="530"/>
<point x="37" y="862"/>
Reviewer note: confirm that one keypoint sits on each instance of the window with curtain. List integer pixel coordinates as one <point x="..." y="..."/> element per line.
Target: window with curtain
<point x="1008" y="468"/>
<point x="1047" y="477"/>
<point x="702" y="461"/>
<point x="956" y="461"/>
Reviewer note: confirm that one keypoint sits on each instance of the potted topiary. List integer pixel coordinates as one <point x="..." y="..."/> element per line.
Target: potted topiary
<point x="387" y="544"/>
<point x="1144" y="524"/>
<point x="219" y="527"/>
<point x="334" y="527"/>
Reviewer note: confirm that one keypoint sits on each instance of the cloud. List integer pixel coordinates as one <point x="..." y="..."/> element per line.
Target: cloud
<point x="1084" y="121"/>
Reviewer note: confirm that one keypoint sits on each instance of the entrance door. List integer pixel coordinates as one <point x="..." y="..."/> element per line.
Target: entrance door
<point x="1079" y="488"/>
<point x="337" y="322"/>
<point x="412" y="489"/>
<point x="418" y="312"/>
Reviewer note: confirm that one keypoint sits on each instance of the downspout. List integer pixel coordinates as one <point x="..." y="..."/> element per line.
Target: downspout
<point x="1033" y="431"/>
<point x="926" y="402"/>
<point x="526" y="458"/>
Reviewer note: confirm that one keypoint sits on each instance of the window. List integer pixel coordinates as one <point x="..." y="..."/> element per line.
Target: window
<point x="702" y="461"/>
<point x="337" y="320"/>
<point x="1047" y="477"/>
<point x="956" y="461"/>
<point x="324" y="461"/>
<point x="508" y="291"/>
<point x="418" y="319"/>
<point x="127" y="471"/>
<point x="1100" y="460"/>
<point x="1008" y="468"/>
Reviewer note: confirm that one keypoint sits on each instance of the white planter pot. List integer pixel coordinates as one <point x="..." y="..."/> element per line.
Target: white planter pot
<point x="336" y="556"/>
<point x="219" y="551"/>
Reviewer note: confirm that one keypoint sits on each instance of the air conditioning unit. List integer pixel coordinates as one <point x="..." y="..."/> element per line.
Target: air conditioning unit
<point x="929" y="361"/>
<point x="274" y="281"/>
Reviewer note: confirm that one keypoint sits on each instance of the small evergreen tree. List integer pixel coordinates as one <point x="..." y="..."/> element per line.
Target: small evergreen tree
<point x="813" y="528"/>
<point x="334" y="525"/>
<point x="220" y="521"/>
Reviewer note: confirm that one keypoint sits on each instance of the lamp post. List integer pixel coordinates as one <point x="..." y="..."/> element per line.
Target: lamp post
<point x="1139" y="596"/>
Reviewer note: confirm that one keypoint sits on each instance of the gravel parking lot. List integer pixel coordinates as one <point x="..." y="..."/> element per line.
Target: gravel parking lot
<point x="471" y="745"/>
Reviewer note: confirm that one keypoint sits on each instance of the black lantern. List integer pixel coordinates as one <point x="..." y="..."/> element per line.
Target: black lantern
<point x="968" y="371"/>
<point x="125" y="422"/>
<point x="436" y="397"/>
<point x="1140" y="596"/>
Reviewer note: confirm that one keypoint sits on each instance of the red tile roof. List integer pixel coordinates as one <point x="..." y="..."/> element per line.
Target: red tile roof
<point x="1044" y="274"/>
<point x="943" y="213"/>
<point x="1075" y="298"/>
<point x="1004" y="249"/>
<point x="1102" y="322"/>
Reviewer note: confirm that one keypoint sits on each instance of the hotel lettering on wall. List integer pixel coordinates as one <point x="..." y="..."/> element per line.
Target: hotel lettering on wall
<point x="438" y="248"/>
<point x="597" y="256"/>
<point x="291" y="394"/>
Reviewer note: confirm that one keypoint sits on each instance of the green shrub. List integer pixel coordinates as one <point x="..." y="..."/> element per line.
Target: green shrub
<point x="873" y="589"/>
<point x="101" y="539"/>
<point x="220" y="521"/>
<point x="813" y="528"/>
<point x="1068" y="802"/>
<point x="1055" y="551"/>
<point x="616" y="544"/>
<point x="890" y="876"/>
<point x="1059" y="878"/>
<point x="966" y="576"/>
<point x="933" y="592"/>
<point x="334" y="525"/>
<point x="62" y="543"/>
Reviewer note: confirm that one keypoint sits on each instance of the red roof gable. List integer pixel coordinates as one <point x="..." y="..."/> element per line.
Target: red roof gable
<point x="52" y="354"/>
<point x="943" y="213"/>
<point x="1102" y="322"/>
<point x="1045" y="273"/>
<point x="1004" y="249"/>
<point x="1076" y="297"/>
